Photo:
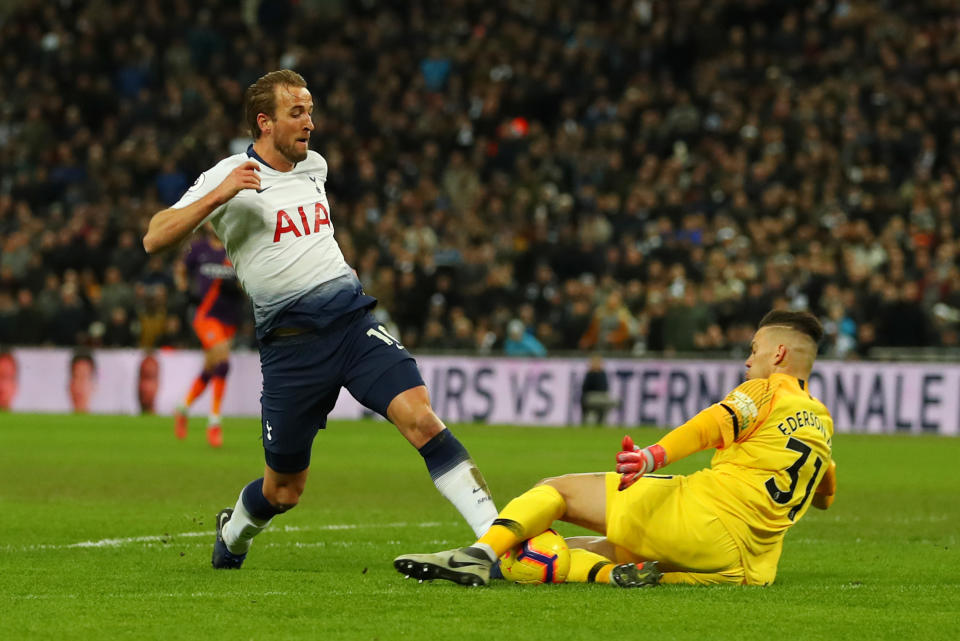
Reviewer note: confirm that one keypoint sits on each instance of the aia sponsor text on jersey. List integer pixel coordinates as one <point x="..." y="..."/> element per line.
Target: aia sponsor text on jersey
<point x="299" y="224"/>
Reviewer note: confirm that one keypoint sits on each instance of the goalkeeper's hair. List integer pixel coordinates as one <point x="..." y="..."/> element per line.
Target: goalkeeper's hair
<point x="261" y="96"/>
<point x="803" y="322"/>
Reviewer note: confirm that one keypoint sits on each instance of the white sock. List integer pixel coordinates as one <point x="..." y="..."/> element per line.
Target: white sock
<point x="465" y="488"/>
<point x="213" y="419"/>
<point x="239" y="531"/>
<point x="487" y="549"/>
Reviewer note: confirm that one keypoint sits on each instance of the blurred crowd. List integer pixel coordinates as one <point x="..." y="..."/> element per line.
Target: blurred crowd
<point x="520" y="177"/>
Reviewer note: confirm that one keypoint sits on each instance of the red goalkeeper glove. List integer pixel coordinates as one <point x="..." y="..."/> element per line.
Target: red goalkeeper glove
<point x="633" y="462"/>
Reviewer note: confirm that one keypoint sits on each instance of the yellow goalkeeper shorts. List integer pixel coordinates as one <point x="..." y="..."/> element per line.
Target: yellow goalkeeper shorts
<point x="659" y="518"/>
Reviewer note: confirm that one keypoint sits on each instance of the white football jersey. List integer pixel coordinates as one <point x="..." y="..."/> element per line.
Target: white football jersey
<point x="280" y="241"/>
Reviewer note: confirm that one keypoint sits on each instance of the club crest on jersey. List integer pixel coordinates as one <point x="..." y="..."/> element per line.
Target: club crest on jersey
<point x="299" y="224"/>
<point x="744" y="405"/>
<point x="316" y="184"/>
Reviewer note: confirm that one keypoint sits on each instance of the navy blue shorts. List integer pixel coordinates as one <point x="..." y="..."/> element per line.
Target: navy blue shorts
<point x="303" y="374"/>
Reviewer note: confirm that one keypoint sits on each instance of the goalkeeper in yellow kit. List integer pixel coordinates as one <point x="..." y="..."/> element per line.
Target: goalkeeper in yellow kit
<point x="723" y="524"/>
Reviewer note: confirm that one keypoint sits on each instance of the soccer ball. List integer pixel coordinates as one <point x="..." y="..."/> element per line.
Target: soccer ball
<point x="544" y="558"/>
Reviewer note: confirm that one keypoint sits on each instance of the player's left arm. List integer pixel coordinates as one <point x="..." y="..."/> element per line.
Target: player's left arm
<point x="699" y="433"/>
<point x="719" y="425"/>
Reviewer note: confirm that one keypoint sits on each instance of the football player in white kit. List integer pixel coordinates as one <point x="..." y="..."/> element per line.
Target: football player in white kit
<point x="269" y="208"/>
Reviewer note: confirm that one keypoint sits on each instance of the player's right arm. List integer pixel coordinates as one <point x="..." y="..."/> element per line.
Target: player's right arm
<point x="170" y="226"/>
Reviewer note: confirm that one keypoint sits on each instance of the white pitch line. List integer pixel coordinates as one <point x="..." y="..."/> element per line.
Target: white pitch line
<point x="162" y="595"/>
<point x="181" y="545"/>
<point x="157" y="538"/>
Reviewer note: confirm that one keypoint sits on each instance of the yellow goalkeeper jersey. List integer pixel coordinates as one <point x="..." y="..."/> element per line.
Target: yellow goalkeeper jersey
<point x="775" y="448"/>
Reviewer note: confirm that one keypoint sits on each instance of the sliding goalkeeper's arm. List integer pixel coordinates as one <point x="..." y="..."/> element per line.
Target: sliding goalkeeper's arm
<point x="703" y="431"/>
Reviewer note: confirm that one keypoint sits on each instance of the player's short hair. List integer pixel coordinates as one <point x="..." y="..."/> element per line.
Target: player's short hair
<point x="261" y="96"/>
<point x="803" y="322"/>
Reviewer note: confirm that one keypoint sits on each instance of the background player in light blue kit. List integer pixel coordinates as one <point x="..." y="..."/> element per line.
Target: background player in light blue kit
<point x="269" y="208"/>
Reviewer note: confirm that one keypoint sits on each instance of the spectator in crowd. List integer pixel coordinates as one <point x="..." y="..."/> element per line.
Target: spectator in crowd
<point x="687" y="322"/>
<point x="840" y="332"/>
<point x="520" y="341"/>
<point x="151" y="314"/>
<point x="116" y="292"/>
<point x="612" y="326"/>
<point x="117" y="332"/>
<point x="69" y="325"/>
<point x="866" y="340"/>
<point x="8" y="317"/>
<point x="901" y="320"/>
<point x="463" y="338"/>
<point x="779" y="153"/>
<point x="29" y="328"/>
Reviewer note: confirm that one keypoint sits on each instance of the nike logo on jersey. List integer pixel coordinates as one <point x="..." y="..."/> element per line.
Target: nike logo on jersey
<point x="260" y="191"/>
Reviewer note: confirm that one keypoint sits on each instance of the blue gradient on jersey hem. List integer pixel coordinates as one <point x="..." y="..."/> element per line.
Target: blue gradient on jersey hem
<point x="317" y="308"/>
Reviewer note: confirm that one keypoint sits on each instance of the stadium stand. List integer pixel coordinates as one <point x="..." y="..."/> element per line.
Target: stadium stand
<point x="629" y="176"/>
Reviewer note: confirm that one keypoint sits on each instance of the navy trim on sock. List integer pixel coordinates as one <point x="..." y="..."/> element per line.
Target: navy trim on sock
<point x="256" y="503"/>
<point x="442" y="453"/>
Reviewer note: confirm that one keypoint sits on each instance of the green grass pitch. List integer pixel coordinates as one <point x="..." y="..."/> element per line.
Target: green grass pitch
<point x="106" y="527"/>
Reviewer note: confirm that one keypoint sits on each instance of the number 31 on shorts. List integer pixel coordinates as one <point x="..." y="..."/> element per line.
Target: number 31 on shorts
<point x="381" y="333"/>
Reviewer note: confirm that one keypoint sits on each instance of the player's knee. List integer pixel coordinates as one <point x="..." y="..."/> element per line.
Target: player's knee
<point x="221" y="369"/>
<point x="410" y="411"/>
<point x="562" y="484"/>
<point x="284" y="507"/>
<point x="414" y="414"/>
<point x="284" y="494"/>
<point x="284" y="498"/>
<point x="556" y="480"/>
<point x="427" y="423"/>
<point x="550" y="480"/>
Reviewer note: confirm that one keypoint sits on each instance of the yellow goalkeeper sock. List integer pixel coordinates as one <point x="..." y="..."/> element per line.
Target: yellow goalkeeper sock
<point x="525" y="516"/>
<point x="589" y="567"/>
